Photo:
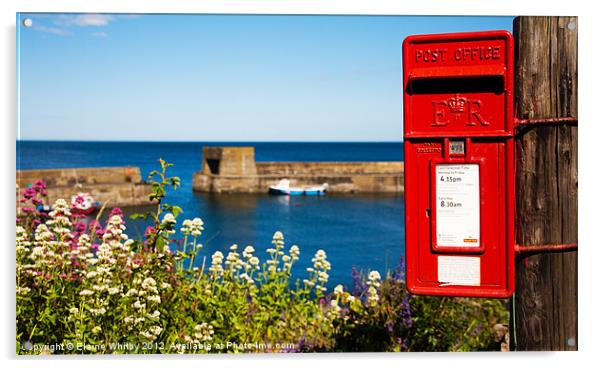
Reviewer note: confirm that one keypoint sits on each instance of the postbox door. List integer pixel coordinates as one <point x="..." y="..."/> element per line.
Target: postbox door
<point x="459" y="164"/>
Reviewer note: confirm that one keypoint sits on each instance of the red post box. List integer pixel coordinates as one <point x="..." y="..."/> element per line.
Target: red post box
<point x="459" y="164"/>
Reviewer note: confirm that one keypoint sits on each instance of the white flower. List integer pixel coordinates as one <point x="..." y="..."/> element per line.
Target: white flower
<point x="322" y="277"/>
<point x="374" y="279"/>
<point x="294" y="252"/>
<point x="203" y="332"/>
<point x="374" y="276"/>
<point x="335" y="306"/>
<point x="186" y="227"/>
<point x="23" y="290"/>
<point x="98" y="311"/>
<point x="131" y="292"/>
<point x="372" y="295"/>
<point x="168" y="219"/>
<point x="248" y="251"/>
<point x="156" y="330"/>
<point x="216" y="262"/>
<point x="196" y="227"/>
<point x="149" y="284"/>
<point x="338" y="289"/>
<point x="86" y="292"/>
<point x="148" y="335"/>
<point x="254" y="262"/>
<point x="154" y="298"/>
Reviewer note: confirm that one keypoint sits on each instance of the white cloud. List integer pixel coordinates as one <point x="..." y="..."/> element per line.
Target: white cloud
<point x="53" y="30"/>
<point x="84" y="20"/>
<point x="62" y="22"/>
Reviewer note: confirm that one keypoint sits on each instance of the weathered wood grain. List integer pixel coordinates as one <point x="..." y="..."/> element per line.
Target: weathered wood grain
<point x="546" y="183"/>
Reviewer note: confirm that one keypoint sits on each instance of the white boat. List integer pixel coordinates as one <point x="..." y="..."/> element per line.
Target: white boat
<point x="84" y="203"/>
<point x="283" y="188"/>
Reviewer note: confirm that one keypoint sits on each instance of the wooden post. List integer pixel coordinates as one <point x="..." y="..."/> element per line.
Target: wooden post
<point x="545" y="302"/>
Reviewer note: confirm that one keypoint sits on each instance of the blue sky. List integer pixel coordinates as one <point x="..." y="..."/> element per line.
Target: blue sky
<point x="217" y="77"/>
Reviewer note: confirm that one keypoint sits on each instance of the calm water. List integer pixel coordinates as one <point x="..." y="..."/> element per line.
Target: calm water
<point x="362" y="231"/>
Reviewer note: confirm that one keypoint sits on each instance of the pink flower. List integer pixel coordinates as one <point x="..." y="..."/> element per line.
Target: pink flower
<point x="80" y="227"/>
<point x="39" y="185"/>
<point x="94" y="225"/>
<point x="116" y="211"/>
<point x="29" y="193"/>
<point x="28" y="209"/>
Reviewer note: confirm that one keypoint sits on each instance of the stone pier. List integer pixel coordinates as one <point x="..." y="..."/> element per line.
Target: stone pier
<point x="115" y="186"/>
<point x="234" y="170"/>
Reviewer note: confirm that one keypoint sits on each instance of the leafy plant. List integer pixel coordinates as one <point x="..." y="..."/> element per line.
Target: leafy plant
<point x="122" y="295"/>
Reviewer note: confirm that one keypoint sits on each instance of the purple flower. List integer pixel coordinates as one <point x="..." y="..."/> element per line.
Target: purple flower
<point x="390" y="326"/>
<point x="406" y="312"/>
<point x="400" y="270"/>
<point x="28" y="209"/>
<point x="359" y="286"/>
<point x="405" y="344"/>
<point x="477" y="330"/>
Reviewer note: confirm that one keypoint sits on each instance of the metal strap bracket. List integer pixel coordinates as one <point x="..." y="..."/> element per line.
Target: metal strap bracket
<point x="545" y="248"/>
<point x="568" y="120"/>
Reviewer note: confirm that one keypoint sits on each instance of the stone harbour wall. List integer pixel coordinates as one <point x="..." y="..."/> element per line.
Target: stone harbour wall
<point x="115" y="186"/>
<point x="234" y="170"/>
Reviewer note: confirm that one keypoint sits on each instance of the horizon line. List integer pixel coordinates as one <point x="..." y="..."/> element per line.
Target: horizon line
<point x="183" y="141"/>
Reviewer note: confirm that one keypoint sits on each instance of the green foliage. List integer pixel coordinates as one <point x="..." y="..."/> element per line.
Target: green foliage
<point x="138" y="296"/>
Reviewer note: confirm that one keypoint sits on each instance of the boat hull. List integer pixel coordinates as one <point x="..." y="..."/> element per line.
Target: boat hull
<point x="297" y="192"/>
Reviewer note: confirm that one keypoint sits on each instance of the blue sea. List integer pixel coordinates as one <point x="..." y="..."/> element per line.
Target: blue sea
<point x="365" y="231"/>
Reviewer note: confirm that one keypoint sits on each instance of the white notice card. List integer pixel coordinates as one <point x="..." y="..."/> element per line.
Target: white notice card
<point x="459" y="270"/>
<point x="457" y="205"/>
